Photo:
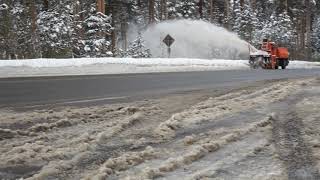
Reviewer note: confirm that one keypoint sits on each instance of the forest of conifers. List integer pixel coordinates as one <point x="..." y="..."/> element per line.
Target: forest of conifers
<point x="99" y="28"/>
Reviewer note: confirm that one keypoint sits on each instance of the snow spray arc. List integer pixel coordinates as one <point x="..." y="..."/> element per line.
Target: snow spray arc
<point x="195" y="39"/>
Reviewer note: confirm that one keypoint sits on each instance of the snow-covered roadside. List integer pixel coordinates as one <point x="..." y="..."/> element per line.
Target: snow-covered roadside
<point x="250" y="132"/>
<point x="303" y="65"/>
<point x="49" y="63"/>
<point x="92" y="66"/>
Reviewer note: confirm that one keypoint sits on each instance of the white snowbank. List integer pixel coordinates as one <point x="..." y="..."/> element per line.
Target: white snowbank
<point x="49" y="63"/>
<point x="86" y="66"/>
<point x="91" y="66"/>
<point x="303" y="65"/>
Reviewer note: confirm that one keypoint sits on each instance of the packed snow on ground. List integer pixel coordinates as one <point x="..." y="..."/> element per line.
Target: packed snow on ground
<point x="90" y="66"/>
<point x="248" y="132"/>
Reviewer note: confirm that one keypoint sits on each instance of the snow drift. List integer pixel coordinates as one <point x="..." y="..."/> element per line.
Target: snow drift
<point x="195" y="39"/>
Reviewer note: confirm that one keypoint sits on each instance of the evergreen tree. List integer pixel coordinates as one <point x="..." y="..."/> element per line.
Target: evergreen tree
<point x="137" y="49"/>
<point x="316" y="39"/>
<point x="245" y="21"/>
<point x="182" y="9"/>
<point x="23" y="33"/>
<point x="278" y="29"/>
<point x="73" y="27"/>
<point x="138" y="12"/>
<point x="55" y="30"/>
<point x="97" y="27"/>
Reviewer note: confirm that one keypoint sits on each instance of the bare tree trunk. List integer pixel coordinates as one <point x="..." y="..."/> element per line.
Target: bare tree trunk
<point x="211" y="11"/>
<point x="46" y="5"/>
<point x="282" y="6"/>
<point x="241" y="4"/>
<point x="33" y="17"/>
<point x="302" y="36"/>
<point x="308" y="29"/>
<point x="163" y="10"/>
<point x="200" y="4"/>
<point x="286" y="6"/>
<point x="101" y="6"/>
<point x="298" y="46"/>
<point x="151" y="11"/>
<point x="113" y="32"/>
<point x="226" y="14"/>
<point x="6" y="34"/>
<point x="79" y="33"/>
<point x="124" y="35"/>
<point x="113" y="42"/>
<point x="76" y="10"/>
<point x="253" y="4"/>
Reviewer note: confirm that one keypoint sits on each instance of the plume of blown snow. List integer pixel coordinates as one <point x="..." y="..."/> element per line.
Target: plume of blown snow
<point x="195" y="39"/>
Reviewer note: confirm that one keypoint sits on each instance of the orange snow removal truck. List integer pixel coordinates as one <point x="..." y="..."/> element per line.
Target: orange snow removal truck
<point x="270" y="56"/>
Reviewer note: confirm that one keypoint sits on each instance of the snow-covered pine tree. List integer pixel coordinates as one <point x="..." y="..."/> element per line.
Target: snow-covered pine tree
<point x="138" y="12"/>
<point x="171" y="5"/>
<point x="55" y="29"/>
<point x="279" y="29"/>
<point x="97" y="27"/>
<point x="286" y="33"/>
<point x="315" y="39"/>
<point x="212" y="15"/>
<point x="16" y="30"/>
<point x="18" y="38"/>
<point x="182" y="9"/>
<point x="137" y="49"/>
<point x="245" y="20"/>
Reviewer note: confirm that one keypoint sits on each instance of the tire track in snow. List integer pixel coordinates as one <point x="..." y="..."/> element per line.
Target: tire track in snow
<point x="288" y="130"/>
<point x="116" y="138"/>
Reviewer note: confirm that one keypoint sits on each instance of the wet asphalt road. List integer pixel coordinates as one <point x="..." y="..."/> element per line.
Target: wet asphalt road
<point x="18" y="92"/>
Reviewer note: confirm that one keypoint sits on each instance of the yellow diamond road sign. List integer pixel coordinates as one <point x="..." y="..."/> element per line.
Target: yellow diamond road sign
<point x="168" y="40"/>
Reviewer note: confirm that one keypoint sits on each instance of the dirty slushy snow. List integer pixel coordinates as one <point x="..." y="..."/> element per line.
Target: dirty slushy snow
<point x="265" y="130"/>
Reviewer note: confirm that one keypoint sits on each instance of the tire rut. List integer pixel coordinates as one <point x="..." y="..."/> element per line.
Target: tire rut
<point x="293" y="151"/>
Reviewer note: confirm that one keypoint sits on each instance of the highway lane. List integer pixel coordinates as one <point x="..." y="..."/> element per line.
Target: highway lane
<point x="16" y="92"/>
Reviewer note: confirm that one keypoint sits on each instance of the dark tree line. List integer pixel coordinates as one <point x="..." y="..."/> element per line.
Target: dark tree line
<point x="99" y="28"/>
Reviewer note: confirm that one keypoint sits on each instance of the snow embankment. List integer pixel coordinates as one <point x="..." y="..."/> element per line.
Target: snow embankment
<point x="92" y="66"/>
<point x="50" y="63"/>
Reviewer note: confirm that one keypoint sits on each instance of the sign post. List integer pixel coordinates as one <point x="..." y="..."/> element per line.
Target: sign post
<point x="168" y="40"/>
